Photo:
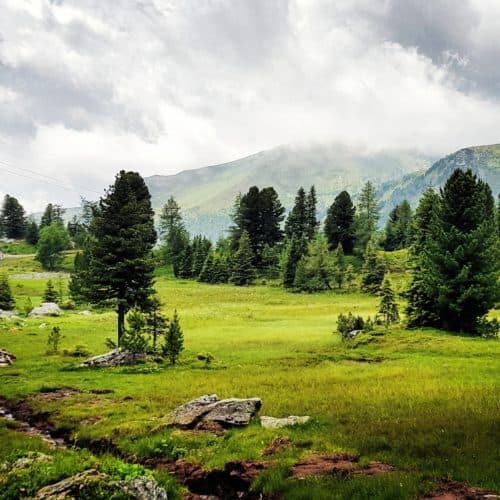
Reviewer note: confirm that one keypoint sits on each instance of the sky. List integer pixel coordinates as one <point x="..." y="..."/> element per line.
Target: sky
<point x="90" y="87"/>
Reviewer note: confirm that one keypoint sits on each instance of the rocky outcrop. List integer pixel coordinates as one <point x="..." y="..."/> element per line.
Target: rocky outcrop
<point x="277" y="423"/>
<point x="8" y="314"/>
<point x="6" y="358"/>
<point x="85" y="483"/>
<point x="46" y="309"/>
<point x="231" y="412"/>
<point x="116" y="357"/>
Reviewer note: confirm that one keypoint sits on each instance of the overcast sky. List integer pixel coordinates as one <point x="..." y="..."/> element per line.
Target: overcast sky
<point x="88" y="87"/>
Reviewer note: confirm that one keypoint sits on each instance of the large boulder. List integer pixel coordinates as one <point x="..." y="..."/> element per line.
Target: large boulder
<point x="46" y="309"/>
<point x="209" y="408"/>
<point x="8" y="314"/>
<point x="6" y="358"/>
<point x="116" y="357"/>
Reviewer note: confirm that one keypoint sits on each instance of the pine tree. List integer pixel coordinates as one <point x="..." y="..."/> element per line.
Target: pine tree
<point x="134" y="340"/>
<point x="78" y="277"/>
<point x="52" y="214"/>
<point x="207" y="272"/>
<point x="296" y="222"/>
<point x="367" y="216"/>
<point x="301" y="281"/>
<point x="201" y="248"/>
<point x="388" y="308"/>
<point x="243" y="272"/>
<point x="461" y="259"/>
<point x="32" y="234"/>
<point x="12" y="219"/>
<point x="373" y="269"/>
<point x="398" y="227"/>
<point x="294" y="250"/>
<point x="50" y="294"/>
<point x="173" y="234"/>
<point x="317" y="267"/>
<point x="174" y="340"/>
<point x="6" y="299"/>
<point x="156" y="322"/>
<point x="121" y="238"/>
<point x="221" y="269"/>
<point x="349" y="276"/>
<point x="312" y="222"/>
<point x="339" y="266"/>
<point x="185" y="266"/>
<point x="339" y="223"/>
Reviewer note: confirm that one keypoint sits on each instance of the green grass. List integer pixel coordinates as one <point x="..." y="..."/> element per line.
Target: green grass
<point x="423" y="400"/>
<point x="17" y="248"/>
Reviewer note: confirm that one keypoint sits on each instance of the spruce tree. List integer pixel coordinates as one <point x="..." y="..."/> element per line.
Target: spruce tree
<point x="207" y="271"/>
<point x="461" y="258"/>
<point x="201" y="248"/>
<point x="339" y="266"/>
<point x="12" y="219"/>
<point x="317" y="270"/>
<point x="243" y="272"/>
<point x="78" y="277"/>
<point x="6" y="299"/>
<point x="388" y="307"/>
<point x="121" y="238"/>
<point x="312" y="222"/>
<point x="398" y="227"/>
<point x="349" y="276"/>
<point x="296" y="222"/>
<point x="367" y="217"/>
<point x="174" y="340"/>
<point x="339" y="223"/>
<point x="373" y="271"/>
<point x="221" y="269"/>
<point x="301" y="281"/>
<point x="52" y="214"/>
<point x="32" y="234"/>
<point x="50" y="294"/>
<point x="156" y="322"/>
<point x="295" y="249"/>
<point x="185" y="263"/>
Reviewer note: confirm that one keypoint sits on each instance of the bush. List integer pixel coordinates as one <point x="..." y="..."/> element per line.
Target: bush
<point x="68" y="305"/>
<point x="53" y="340"/>
<point x="79" y="351"/>
<point x="348" y="323"/>
<point x="488" y="328"/>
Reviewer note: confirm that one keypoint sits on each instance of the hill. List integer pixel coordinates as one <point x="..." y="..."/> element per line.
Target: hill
<point x="483" y="160"/>
<point x="206" y="195"/>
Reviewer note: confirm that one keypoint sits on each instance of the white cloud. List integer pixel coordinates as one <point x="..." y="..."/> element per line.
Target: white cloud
<point x="90" y="87"/>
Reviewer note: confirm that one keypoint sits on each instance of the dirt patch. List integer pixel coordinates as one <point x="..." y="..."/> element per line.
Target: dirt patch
<point x="451" y="490"/>
<point x="278" y="444"/>
<point x="233" y="481"/>
<point x="210" y="426"/>
<point x="55" y="394"/>
<point x="342" y="464"/>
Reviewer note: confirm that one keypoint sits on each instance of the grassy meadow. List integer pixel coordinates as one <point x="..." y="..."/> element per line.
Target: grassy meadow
<point x="425" y="401"/>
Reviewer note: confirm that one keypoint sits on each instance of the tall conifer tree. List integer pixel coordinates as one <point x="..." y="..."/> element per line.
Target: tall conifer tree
<point x="339" y="223"/>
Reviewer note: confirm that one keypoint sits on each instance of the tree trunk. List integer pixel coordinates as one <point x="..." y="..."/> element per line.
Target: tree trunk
<point x="121" y="322"/>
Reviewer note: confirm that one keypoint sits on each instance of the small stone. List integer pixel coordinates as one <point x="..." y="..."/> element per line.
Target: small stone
<point x="277" y="423"/>
<point x="6" y="358"/>
<point x="85" y="313"/>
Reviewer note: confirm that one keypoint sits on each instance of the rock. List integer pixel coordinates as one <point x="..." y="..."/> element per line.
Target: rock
<point x="27" y="461"/>
<point x="8" y="314"/>
<point x="85" y="483"/>
<point x="209" y="408"/>
<point x="352" y="334"/>
<point x="116" y="357"/>
<point x="85" y="313"/>
<point x="6" y="358"/>
<point x="276" y="423"/>
<point x="46" y="309"/>
<point x="141" y="488"/>
<point x="42" y="325"/>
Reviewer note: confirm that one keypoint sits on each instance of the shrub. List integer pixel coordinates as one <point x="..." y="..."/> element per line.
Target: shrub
<point x="348" y="322"/>
<point x="53" y="340"/>
<point x="68" y="305"/>
<point x="79" y="351"/>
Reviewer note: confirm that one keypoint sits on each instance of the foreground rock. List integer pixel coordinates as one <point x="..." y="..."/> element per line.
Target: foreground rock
<point x="6" y="358"/>
<point x="231" y="412"/>
<point x="277" y="423"/>
<point x="116" y="357"/>
<point x="46" y="309"/>
<point x="85" y="483"/>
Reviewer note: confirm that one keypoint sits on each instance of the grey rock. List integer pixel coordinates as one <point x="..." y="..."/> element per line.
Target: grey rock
<point x="71" y="486"/>
<point x="209" y="408"/>
<point x="352" y="334"/>
<point x="116" y="357"/>
<point x="6" y="358"/>
<point x="46" y="309"/>
<point x="8" y="314"/>
<point x="277" y="423"/>
<point x="27" y="461"/>
<point x="85" y="313"/>
<point x="141" y="488"/>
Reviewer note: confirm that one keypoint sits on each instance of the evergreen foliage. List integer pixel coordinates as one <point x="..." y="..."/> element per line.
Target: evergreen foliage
<point x="373" y="271"/>
<point x="134" y="339"/>
<point x="52" y="214"/>
<point x="156" y="322"/>
<point x="174" y="340"/>
<point x="314" y="269"/>
<point x="201" y="248"/>
<point x="367" y="216"/>
<point x="243" y="272"/>
<point x="339" y="223"/>
<point x="53" y="340"/>
<point x="296" y="225"/>
<point x="388" y="307"/>
<point x="32" y="234"/>
<point x="339" y="266"/>
<point x="6" y="298"/>
<point x="207" y="272"/>
<point x="456" y="279"/>
<point x="12" y="219"/>
<point x="121" y="238"/>
<point x="312" y="222"/>
<point x="185" y="263"/>
<point x="50" y="294"/>
<point x="294" y="250"/>
<point x="77" y="280"/>
<point x="398" y="228"/>
<point x="349" y="276"/>
<point x="54" y="239"/>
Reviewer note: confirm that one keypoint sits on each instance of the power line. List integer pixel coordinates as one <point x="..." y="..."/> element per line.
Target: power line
<point x="43" y="178"/>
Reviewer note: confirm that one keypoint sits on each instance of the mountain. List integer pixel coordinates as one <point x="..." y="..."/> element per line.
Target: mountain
<point x="206" y="195"/>
<point x="483" y="160"/>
